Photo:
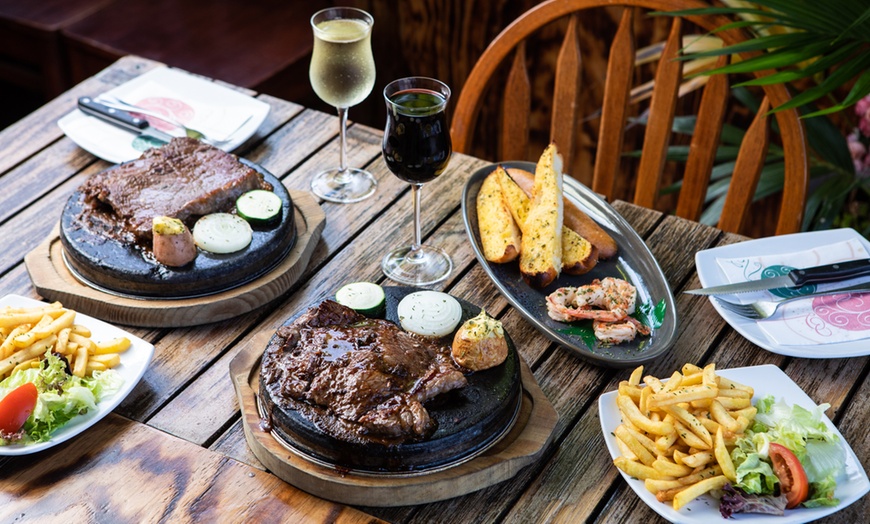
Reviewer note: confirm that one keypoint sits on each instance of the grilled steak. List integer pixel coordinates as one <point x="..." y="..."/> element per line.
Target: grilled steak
<point x="358" y="379"/>
<point x="183" y="179"/>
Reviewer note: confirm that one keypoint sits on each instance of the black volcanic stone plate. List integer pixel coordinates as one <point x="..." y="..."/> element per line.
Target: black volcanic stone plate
<point x="117" y="267"/>
<point x="470" y="419"/>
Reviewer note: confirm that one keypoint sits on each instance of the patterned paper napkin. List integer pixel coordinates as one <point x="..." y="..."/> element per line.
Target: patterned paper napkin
<point x="818" y="320"/>
<point x="218" y="122"/>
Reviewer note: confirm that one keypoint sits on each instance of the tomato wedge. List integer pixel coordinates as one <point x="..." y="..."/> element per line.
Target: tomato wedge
<point x="791" y="474"/>
<point x="16" y="406"/>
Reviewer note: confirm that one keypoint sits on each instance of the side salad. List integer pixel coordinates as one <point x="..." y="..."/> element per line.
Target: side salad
<point x="788" y="457"/>
<point x="35" y="402"/>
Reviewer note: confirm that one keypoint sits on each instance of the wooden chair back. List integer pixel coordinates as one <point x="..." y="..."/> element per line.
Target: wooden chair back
<point x="514" y="133"/>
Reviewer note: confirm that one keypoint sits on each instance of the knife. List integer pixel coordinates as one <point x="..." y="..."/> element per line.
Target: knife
<point x="122" y="119"/>
<point x="794" y="278"/>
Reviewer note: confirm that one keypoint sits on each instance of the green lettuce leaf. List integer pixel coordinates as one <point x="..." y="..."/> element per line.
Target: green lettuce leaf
<point x="62" y="396"/>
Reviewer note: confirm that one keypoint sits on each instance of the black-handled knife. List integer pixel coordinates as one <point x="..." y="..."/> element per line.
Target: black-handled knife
<point x="795" y="278"/>
<point x="122" y="119"/>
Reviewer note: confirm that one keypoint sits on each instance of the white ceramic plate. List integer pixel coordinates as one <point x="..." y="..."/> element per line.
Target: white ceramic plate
<point x="134" y="362"/>
<point x="116" y="145"/>
<point x="767" y="380"/>
<point x="711" y="275"/>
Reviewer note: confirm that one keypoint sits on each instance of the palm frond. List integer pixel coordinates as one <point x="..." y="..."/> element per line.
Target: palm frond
<point x="817" y="37"/>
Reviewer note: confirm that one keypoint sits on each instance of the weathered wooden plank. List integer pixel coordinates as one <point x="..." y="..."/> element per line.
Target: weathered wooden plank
<point x="164" y="479"/>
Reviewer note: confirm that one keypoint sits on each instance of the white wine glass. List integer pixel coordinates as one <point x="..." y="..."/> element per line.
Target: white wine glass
<point x="342" y="74"/>
<point x="417" y="149"/>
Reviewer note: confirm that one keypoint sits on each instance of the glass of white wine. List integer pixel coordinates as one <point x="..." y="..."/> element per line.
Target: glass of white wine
<point x="342" y="74"/>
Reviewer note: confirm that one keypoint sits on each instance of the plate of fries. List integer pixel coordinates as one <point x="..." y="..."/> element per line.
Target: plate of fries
<point x="29" y="326"/>
<point x="677" y="454"/>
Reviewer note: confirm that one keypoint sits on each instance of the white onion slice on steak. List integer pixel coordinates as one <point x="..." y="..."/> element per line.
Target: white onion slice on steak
<point x="222" y="233"/>
<point x="429" y="313"/>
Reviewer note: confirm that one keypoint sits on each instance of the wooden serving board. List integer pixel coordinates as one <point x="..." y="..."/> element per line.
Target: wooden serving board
<point x="524" y="443"/>
<point x="53" y="281"/>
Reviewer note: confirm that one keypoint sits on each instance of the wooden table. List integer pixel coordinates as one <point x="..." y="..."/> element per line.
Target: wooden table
<point x="174" y="450"/>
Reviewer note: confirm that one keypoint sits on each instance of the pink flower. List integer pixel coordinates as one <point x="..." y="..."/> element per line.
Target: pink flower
<point x="855" y="146"/>
<point x="862" y="109"/>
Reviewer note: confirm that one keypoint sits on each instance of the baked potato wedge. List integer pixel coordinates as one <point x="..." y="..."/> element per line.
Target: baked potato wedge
<point x="499" y="234"/>
<point x="578" y="254"/>
<point x="574" y="218"/>
<point x="480" y="343"/>
<point x="541" y="246"/>
<point x="172" y="243"/>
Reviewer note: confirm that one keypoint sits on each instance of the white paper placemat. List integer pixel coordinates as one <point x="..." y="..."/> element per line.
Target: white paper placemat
<point x="777" y="248"/>
<point x="819" y="320"/>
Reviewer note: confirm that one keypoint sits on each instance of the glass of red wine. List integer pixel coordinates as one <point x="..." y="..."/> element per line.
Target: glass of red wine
<point x="417" y="149"/>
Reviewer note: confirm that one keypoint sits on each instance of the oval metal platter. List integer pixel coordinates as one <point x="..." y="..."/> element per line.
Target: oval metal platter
<point x="633" y="262"/>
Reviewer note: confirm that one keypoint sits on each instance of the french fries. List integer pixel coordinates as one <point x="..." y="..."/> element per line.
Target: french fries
<point x="677" y="435"/>
<point x="28" y="333"/>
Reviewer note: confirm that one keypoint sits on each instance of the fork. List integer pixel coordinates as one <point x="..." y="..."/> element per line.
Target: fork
<point x="763" y="309"/>
<point x="117" y="103"/>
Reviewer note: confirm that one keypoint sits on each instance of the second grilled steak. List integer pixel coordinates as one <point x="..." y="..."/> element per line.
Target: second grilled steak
<point x="183" y="179"/>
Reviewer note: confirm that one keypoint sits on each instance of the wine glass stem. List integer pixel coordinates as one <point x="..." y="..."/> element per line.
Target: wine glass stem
<point x="416" y="193"/>
<point x="343" y="176"/>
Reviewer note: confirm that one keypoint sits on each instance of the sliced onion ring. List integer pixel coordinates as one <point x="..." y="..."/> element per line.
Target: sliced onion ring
<point x="222" y="233"/>
<point x="429" y="313"/>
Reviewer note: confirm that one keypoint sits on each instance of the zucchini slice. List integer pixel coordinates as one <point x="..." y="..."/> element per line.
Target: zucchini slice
<point x="259" y="206"/>
<point x="364" y="297"/>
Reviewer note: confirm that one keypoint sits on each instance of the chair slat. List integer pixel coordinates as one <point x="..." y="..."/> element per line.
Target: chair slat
<point x="797" y="169"/>
<point x="747" y="169"/>
<point x="563" y="122"/>
<point x="617" y="90"/>
<point x="705" y="140"/>
<point x="660" y="120"/>
<point x="516" y="107"/>
<point x="621" y="75"/>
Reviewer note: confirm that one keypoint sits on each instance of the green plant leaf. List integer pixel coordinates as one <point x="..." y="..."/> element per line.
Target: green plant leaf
<point x="582" y="329"/>
<point x="832" y="82"/>
<point x="651" y="315"/>
<point x="828" y="142"/>
<point x="781" y="58"/>
<point x="859" y="90"/>
<point x="835" y="190"/>
<point x="818" y="66"/>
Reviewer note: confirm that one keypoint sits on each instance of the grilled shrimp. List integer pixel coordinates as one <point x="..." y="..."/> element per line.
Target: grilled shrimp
<point x="618" y="332"/>
<point x="608" y="302"/>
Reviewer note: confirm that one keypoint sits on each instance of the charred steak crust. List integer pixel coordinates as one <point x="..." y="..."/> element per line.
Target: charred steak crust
<point x="357" y="379"/>
<point x="183" y="179"/>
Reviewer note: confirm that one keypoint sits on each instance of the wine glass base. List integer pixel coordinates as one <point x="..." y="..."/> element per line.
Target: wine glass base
<point x="424" y="266"/>
<point x="346" y="187"/>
